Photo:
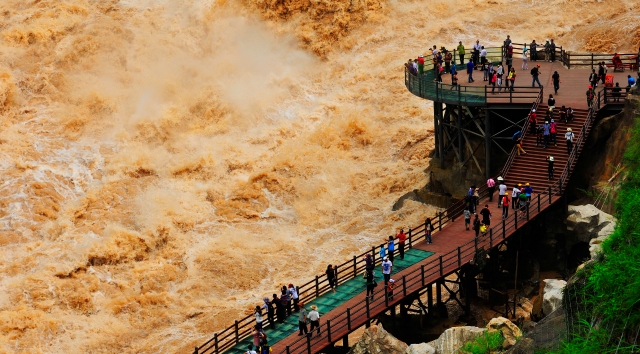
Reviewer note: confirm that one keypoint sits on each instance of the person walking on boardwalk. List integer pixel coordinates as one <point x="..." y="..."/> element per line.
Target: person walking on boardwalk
<point x="491" y="186"/>
<point x="514" y="196"/>
<point x="556" y="82"/>
<point x="563" y="114"/>
<point x="256" y="336"/>
<point x="525" y="58"/>
<point x="391" y="247"/>
<point x="546" y="133"/>
<point x="461" y="53"/>
<point x="476" y="225"/>
<point x="505" y="206"/>
<point x="590" y="95"/>
<point x="314" y="319"/>
<point x="454" y="80"/>
<point x="535" y="73"/>
<point x="486" y="215"/>
<point x="331" y="277"/>
<point x="553" y="130"/>
<point x="293" y="295"/>
<point x="257" y="312"/>
<point x="568" y="136"/>
<point x="402" y="238"/>
<point x="528" y="191"/>
<point x="494" y="81"/>
<point x="428" y="229"/>
<point x="387" y="268"/>
<point x="602" y="72"/>
<point x="271" y="316"/>
<point x="549" y="160"/>
<point x="512" y="78"/>
<point x="371" y="284"/>
<point x="467" y="218"/>
<point x="593" y="78"/>
<point x="389" y="288"/>
<point x="502" y="191"/>
<point x="470" y="67"/>
<point x="302" y="320"/>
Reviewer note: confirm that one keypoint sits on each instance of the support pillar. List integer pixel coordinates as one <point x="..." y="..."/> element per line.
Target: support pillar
<point x="430" y="299"/>
<point x="487" y="143"/>
<point x="345" y="341"/>
<point x="459" y="125"/>
<point x="438" y="292"/>
<point x="437" y="114"/>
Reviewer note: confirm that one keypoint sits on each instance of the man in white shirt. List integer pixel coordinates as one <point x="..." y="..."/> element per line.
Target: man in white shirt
<point x="314" y="319"/>
<point x="568" y="136"/>
<point x="387" y="267"/>
<point x="502" y="190"/>
<point x="483" y="55"/>
<point x="514" y="197"/>
<point x="251" y="351"/>
<point x="476" y="52"/>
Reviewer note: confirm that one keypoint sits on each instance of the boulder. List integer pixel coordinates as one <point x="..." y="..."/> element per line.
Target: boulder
<point x="552" y="295"/>
<point x="595" y="245"/>
<point x="525" y="346"/>
<point x="524" y="309"/>
<point x="422" y="348"/>
<point x="509" y="331"/>
<point x="376" y="340"/>
<point x="451" y="340"/>
<point x="588" y="222"/>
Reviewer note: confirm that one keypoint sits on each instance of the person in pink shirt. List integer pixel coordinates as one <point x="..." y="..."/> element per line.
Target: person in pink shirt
<point x="491" y="185"/>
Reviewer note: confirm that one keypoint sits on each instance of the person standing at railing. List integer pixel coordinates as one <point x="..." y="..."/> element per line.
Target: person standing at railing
<point x="332" y="273"/>
<point x="476" y="53"/>
<point x="550" y="161"/>
<point x="402" y="238"/>
<point x="293" y="295"/>
<point x="302" y="321"/>
<point x="387" y="268"/>
<point x="368" y="263"/>
<point x="467" y="218"/>
<point x="602" y="72"/>
<point x="556" y="82"/>
<point x="256" y="336"/>
<point x="285" y="299"/>
<point x="383" y="251"/>
<point x="257" y="312"/>
<point x="461" y="52"/>
<point x="616" y="92"/>
<point x="420" y="64"/>
<point x="569" y="136"/>
<point x="547" y="51"/>
<point x="428" y="229"/>
<point x="590" y="95"/>
<point x="389" y="288"/>
<point x="510" y="51"/>
<point x="391" y="247"/>
<point x="470" y="67"/>
<point x="447" y="62"/>
<point x="271" y="316"/>
<point x="491" y="186"/>
<point x="483" y="57"/>
<point x="371" y="284"/>
<point x="552" y="51"/>
<point x="281" y="311"/>
<point x="535" y="73"/>
<point x="506" y="44"/>
<point x="534" y="50"/>
<point x="314" y="319"/>
<point x="525" y="58"/>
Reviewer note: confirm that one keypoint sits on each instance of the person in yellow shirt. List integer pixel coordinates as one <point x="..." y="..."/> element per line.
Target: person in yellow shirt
<point x="460" y="49"/>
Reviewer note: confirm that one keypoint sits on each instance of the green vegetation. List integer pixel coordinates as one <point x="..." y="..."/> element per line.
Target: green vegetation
<point x="603" y="304"/>
<point x="484" y="344"/>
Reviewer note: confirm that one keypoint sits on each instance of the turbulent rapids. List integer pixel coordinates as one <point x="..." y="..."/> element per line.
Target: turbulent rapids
<point x="166" y="164"/>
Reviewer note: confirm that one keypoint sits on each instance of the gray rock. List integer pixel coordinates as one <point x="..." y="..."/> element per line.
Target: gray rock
<point x="422" y="348"/>
<point x="451" y="340"/>
<point x="552" y="295"/>
<point x="376" y="340"/>
<point x="588" y="222"/>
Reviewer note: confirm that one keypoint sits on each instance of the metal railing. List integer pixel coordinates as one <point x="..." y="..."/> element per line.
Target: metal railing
<point x="612" y="95"/>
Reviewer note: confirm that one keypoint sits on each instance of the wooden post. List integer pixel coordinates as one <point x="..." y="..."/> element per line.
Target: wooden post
<point x="317" y="288"/>
<point x="195" y="351"/>
<point x="422" y="274"/>
<point x="538" y="202"/>
<point x="437" y="137"/>
<point x="288" y="350"/>
<point x="549" y="195"/>
<point x="329" y="330"/>
<point x="440" y="221"/>
<point x="568" y="60"/>
<point x="592" y="62"/>
<point x="336" y="272"/>
<point x="491" y="238"/>
<point x="309" y="344"/>
<point x="345" y="341"/>
<point x="528" y="204"/>
<point x="236" y="330"/>
<point x="438" y="292"/>
<point x="459" y="258"/>
<point x="441" y="268"/>
<point x="368" y="314"/>
<point x="215" y="338"/>
<point x="386" y="298"/>
<point x="404" y="286"/>
<point x="504" y="227"/>
<point x="373" y="255"/>
<point x="355" y="268"/>
<point x="349" y="318"/>
<point x="430" y="299"/>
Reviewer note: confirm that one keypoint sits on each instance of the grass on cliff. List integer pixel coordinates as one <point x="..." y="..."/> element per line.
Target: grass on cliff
<point x="605" y="298"/>
<point x="487" y="343"/>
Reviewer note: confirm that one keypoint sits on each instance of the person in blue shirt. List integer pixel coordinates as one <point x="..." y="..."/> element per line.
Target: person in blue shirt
<point x="391" y="247"/>
<point x="470" y="67"/>
<point x="528" y="191"/>
<point x="630" y="80"/>
<point x="546" y="133"/>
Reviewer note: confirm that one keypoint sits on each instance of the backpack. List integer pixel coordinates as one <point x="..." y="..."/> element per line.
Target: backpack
<point x="265" y="349"/>
<point x="483" y="228"/>
<point x="534" y="71"/>
<point x="263" y="338"/>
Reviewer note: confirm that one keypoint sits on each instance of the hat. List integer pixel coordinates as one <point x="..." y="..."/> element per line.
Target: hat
<point x="391" y="281"/>
<point x="550" y="158"/>
<point x="510" y="44"/>
<point x="314" y="307"/>
<point x="546" y="122"/>
<point x="568" y="129"/>
<point x="519" y="184"/>
<point x="533" y="110"/>
<point x="538" y="65"/>
<point x="386" y="258"/>
<point x="420" y="56"/>
<point x="291" y="285"/>
<point x="527" y="184"/>
<point x="265" y="299"/>
<point x="552" y="121"/>
<point x="590" y="86"/>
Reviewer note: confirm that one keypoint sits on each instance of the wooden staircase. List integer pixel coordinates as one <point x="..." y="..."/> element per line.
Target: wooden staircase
<point x="532" y="166"/>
